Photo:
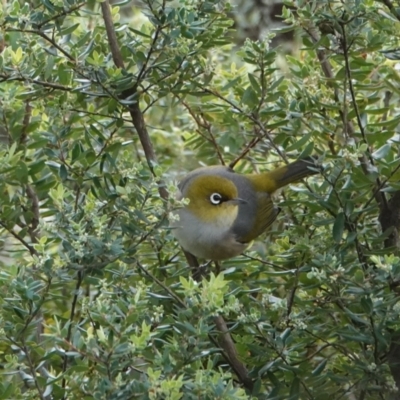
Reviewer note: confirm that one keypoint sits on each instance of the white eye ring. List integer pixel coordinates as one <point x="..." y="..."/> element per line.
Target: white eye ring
<point x="216" y="199"/>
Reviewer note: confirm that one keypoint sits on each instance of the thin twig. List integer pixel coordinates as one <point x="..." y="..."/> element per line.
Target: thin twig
<point x="45" y="37"/>
<point x="203" y="124"/>
<point x="31" y="249"/>
<point x="69" y="332"/>
<point x="380" y="197"/>
<point x="159" y="283"/>
<point x="8" y="78"/>
<point x="34" y="234"/>
<point x="25" y="122"/>
<point x="253" y="142"/>
<point x="32" y="369"/>
<point x="377" y="189"/>
<point x="63" y="13"/>
<point x="254" y="119"/>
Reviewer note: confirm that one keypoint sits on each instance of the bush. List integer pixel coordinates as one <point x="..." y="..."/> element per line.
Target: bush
<point x="101" y="114"/>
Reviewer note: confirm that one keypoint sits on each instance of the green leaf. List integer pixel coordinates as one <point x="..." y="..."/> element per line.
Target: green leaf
<point x="307" y="151"/>
<point x="250" y="97"/>
<point x="338" y="227"/>
<point x="319" y="368"/>
<point x="382" y="152"/>
<point x="21" y="172"/>
<point x="255" y="84"/>
<point x="366" y="304"/>
<point x="295" y="389"/>
<point x="300" y="143"/>
<point x="63" y="172"/>
<point x="68" y="30"/>
<point x="76" y="152"/>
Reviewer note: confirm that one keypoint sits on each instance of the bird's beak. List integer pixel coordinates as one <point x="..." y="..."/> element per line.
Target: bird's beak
<point x="237" y="201"/>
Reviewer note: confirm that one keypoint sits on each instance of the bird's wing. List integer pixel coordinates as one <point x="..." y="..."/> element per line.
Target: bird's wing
<point x="266" y="215"/>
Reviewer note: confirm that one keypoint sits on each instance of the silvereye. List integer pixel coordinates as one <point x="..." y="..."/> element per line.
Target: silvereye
<point x="227" y="210"/>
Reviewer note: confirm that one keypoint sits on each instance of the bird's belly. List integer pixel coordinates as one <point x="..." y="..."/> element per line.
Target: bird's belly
<point x="205" y="240"/>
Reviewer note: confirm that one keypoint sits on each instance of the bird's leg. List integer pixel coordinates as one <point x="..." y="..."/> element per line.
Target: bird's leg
<point x="201" y="271"/>
<point x="217" y="267"/>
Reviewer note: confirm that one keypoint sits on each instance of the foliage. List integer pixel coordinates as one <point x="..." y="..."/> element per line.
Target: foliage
<point x="97" y="298"/>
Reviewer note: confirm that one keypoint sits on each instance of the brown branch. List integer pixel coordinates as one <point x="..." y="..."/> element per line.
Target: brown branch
<point x="328" y="72"/>
<point x="389" y="218"/>
<point x="25" y="122"/>
<point x="30" y="192"/>
<point x="394" y="357"/>
<point x="134" y="109"/>
<point x="143" y="71"/>
<point x="253" y="142"/>
<point x="348" y="125"/>
<point x="69" y="332"/>
<point x="8" y="78"/>
<point x="391" y="7"/>
<point x="345" y="49"/>
<point x="31" y="249"/>
<point x="26" y="350"/>
<point x="33" y="232"/>
<point x="116" y="118"/>
<point x="61" y="14"/>
<point x="377" y="189"/>
<point x="365" y="160"/>
<point x="45" y="37"/>
<point x="53" y="43"/>
<point x="225" y="339"/>
<point x="226" y="342"/>
<point x="291" y="295"/>
<point x="159" y="283"/>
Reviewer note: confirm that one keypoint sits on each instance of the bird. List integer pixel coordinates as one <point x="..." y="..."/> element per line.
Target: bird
<point x="228" y="210"/>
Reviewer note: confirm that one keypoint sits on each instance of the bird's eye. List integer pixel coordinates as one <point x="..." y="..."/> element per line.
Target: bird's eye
<point x="216" y="199"/>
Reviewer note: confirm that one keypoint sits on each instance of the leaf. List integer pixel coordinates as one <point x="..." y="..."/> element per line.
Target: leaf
<point x="63" y="172"/>
<point x="295" y="389"/>
<point x="382" y="151"/>
<point x="319" y="368"/>
<point x="250" y="97"/>
<point x="76" y="152"/>
<point x="307" y="151"/>
<point x="21" y="172"/>
<point x="255" y="84"/>
<point x="69" y="29"/>
<point x="366" y="304"/>
<point x="297" y="145"/>
<point x="338" y="227"/>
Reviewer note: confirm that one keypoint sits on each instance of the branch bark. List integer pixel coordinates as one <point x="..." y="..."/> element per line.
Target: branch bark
<point x="227" y="343"/>
<point x="225" y="340"/>
<point x="389" y="219"/>
<point x="134" y="109"/>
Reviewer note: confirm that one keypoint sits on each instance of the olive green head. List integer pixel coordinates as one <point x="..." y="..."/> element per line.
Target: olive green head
<point x="212" y="198"/>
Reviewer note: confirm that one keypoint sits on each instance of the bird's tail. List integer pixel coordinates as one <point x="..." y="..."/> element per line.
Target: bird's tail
<point x="294" y="171"/>
<point x="273" y="180"/>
